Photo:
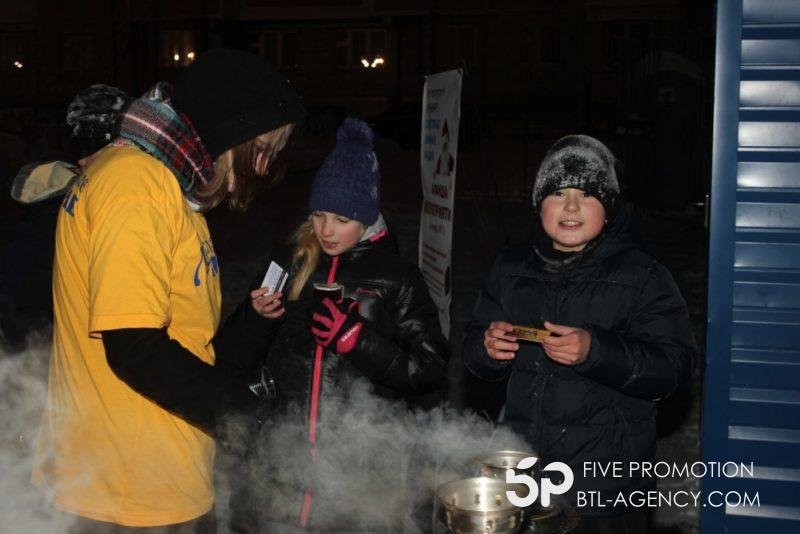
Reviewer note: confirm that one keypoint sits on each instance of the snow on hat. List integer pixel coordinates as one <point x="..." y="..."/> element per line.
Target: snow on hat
<point x="349" y="181"/>
<point x="233" y="96"/>
<point x="93" y="116"/>
<point x="581" y="162"/>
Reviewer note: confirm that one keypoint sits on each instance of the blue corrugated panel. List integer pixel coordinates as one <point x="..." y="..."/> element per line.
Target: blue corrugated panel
<point x="770" y="12"/>
<point x="768" y="406"/>
<point x="770" y="48"/>
<point x="766" y="295"/>
<point x="769" y="129"/>
<point x="752" y="386"/>
<point x="754" y="255"/>
<point x="768" y="170"/>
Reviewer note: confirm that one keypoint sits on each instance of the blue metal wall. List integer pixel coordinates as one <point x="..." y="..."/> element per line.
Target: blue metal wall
<point x="751" y="407"/>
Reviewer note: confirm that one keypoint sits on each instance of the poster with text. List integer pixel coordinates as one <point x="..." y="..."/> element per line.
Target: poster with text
<point x="441" y="111"/>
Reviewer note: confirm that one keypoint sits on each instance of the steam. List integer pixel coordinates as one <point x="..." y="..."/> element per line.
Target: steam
<point x="377" y="463"/>
<point x="23" y="388"/>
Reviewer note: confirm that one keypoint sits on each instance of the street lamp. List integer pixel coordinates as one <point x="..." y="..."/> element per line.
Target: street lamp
<point x="377" y="61"/>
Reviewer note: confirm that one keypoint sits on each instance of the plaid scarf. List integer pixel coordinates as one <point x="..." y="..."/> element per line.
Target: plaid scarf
<point x="154" y="126"/>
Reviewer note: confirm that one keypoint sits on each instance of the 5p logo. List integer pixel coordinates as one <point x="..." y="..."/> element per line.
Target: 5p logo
<point x="548" y="488"/>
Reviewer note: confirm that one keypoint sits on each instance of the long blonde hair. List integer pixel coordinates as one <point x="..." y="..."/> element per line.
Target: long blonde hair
<point x="243" y="162"/>
<point x="305" y="256"/>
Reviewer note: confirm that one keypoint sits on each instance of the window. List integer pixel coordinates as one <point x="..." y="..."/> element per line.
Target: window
<point x="457" y="46"/>
<point x="625" y="35"/>
<point x="550" y="44"/>
<point x="465" y="44"/>
<point x="11" y="52"/>
<point x="78" y="52"/>
<point x="177" y="48"/>
<point x="279" y="47"/>
<point x="358" y="49"/>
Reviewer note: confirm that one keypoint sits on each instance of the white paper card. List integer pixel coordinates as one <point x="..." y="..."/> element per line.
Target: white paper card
<point x="275" y="278"/>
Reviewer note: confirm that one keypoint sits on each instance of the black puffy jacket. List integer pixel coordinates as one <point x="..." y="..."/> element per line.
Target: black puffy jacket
<point x="400" y="350"/>
<point x="642" y="349"/>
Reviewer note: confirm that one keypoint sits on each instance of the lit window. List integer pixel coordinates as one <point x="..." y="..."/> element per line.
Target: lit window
<point x="12" y="56"/>
<point x="177" y="48"/>
<point x="361" y="49"/>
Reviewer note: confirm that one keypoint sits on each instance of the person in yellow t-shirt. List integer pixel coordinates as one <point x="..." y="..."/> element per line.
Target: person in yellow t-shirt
<point x="140" y="374"/>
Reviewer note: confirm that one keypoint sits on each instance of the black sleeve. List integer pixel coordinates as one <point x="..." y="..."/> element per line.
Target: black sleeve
<point x="657" y="352"/>
<point x="165" y="372"/>
<point x="244" y="338"/>
<point x="416" y="360"/>
<point x="488" y="308"/>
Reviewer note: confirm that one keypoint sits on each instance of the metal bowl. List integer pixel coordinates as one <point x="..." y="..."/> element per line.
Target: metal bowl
<point x="495" y="463"/>
<point x="556" y="519"/>
<point x="478" y="504"/>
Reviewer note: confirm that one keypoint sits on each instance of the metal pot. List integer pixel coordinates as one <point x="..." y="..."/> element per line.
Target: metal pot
<point x="495" y="463"/>
<point x="556" y="519"/>
<point x="478" y="505"/>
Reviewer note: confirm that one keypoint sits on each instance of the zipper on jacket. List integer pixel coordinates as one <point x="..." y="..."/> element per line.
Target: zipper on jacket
<point x="314" y="409"/>
<point x="546" y="372"/>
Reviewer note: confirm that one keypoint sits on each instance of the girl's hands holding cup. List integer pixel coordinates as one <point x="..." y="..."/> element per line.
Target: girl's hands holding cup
<point x="498" y="341"/>
<point x="267" y="304"/>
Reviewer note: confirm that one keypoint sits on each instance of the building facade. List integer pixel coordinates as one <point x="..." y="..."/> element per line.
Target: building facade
<point x="534" y="70"/>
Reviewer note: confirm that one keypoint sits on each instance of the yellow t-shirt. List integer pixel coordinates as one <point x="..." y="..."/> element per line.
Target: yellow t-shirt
<point x="130" y="253"/>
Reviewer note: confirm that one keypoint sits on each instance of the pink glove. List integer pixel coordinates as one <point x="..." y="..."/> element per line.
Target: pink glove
<point x="337" y="324"/>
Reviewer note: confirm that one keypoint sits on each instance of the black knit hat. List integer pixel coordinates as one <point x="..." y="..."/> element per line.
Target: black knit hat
<point x="581" y="162"/>
<point x="93" y="118"/>
<point x="233" y="96"/>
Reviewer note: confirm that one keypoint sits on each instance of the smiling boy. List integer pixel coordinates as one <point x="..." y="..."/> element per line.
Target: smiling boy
<point x="620" y="333"/>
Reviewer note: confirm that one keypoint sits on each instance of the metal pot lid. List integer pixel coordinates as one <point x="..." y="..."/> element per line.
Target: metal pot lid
<point x="507" y="459"/>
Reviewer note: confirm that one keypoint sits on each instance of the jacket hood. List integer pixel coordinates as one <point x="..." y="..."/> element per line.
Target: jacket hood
<point x="616" y="237"/>
<point x="376" y="228"/>
<point x="378" y="236"/>
<point x="42" y="180"/>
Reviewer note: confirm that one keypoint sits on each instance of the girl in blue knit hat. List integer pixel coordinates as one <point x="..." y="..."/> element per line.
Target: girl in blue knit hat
<point x="380" y="326"/>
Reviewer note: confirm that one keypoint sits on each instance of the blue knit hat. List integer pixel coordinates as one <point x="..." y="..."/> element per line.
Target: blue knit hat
<point x="349" y="182"/>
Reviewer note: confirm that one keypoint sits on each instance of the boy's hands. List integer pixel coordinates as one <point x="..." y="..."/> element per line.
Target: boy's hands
<point x="498" y="341"/>
<point x="267" y="304"/>
<point x="569" y="346"/>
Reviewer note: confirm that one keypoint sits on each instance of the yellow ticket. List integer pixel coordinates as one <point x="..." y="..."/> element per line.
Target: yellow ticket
<point x="529" y="333"/>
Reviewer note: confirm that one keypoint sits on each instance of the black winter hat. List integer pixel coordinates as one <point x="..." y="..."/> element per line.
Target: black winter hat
<point x="581" y="162"/>
<point x="233" y="96"/>
<point x="93" y="116"/>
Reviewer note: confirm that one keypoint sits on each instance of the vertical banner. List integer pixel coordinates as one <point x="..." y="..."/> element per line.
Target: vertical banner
<point x="441" y="111"/>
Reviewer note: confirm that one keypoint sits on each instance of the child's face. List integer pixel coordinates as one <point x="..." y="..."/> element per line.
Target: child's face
<point x="335" y="233"/>
<point x="572" y="218"/>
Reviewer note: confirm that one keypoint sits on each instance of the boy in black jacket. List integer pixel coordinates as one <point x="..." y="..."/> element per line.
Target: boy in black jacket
<point x="620" y="337"/>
